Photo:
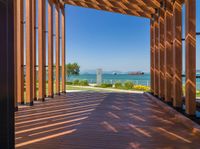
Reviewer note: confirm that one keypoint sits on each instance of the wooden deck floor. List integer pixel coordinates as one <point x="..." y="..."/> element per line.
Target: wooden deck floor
<point x="100" y="121"/>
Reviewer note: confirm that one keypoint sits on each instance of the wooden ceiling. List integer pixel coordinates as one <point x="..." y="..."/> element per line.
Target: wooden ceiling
<point x="142" y="8"/>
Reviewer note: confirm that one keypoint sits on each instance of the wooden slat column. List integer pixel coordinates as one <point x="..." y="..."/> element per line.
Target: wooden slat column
<point x="63" y="51"/>
<point x="57" y="25"/>
<point x="50" y="50"/>
<point x="177" y="54"/>
<point x="41" y="48"/>
<point x="161" y="53"/>
<point x="29" y="77"/>
<point x="7" y="140"/>
<point x="34" y="29"/>
<point x="168" y="53"/>
<point x="156" y="58"/>
<point x="190" y="44"/>
<point x="152" y="54"/>
<point x="20" y="52"/>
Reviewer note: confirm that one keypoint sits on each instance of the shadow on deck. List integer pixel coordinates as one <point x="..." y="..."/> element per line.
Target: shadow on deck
<point x="86" y="120"/>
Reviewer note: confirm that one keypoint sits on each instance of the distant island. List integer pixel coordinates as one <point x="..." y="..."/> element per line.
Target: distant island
<point x="136" y="73"/>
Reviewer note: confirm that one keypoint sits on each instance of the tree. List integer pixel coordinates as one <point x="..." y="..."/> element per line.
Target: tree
<point x="73" y="69"/>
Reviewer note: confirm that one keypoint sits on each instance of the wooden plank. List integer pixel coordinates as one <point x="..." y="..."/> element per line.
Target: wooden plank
<point x="29" y="74"/>
<point x="63" y="51"/>
<point x="177" y="54"/>
<point x="161" y="54"/>
<point x="168" y="56"/>
<point x="152" y="54"/>
<point x="190" y="44"/>
<point x="41" y="48"/>
<point x="7" y="74"/>
<point x="57" y="24"/>
<point x="34" y="29"/>
<point x="50" y="50"/>
<point x="156" y="58"/>
<point x="20" y="52"/>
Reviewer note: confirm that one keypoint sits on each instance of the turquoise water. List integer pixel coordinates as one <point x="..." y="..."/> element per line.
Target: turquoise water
<point x="110" y="78"/>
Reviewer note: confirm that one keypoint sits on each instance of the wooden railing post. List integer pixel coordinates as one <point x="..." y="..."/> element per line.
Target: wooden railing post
<point x="177" y="54"/>
<point x="190" y="44"/>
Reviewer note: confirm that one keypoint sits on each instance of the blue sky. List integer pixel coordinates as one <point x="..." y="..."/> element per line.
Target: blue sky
<point x="99" y="39"/>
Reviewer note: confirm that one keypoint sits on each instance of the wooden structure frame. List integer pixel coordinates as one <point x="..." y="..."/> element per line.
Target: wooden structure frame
<point x="166" y="51"/>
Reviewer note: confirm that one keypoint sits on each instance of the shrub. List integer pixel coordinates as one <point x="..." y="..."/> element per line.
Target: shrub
<point x="141" y="88"/>
<point x="83" y="83"/>
<point x="106" y="85"/>
<point x="128" y="85"/>
<point x="118" y="85"/>
<point x="68" y="83"/>
<point x="75" y="82"/>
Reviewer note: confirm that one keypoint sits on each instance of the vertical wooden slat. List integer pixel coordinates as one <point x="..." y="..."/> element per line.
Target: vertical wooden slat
<point x="168" y="54"/>
<point x="7" y="140"/>
<point x="20" y="52"/>
<point x="57" y="25"/>
<point x="152" y="55"/>
<point x="63" y="51"/>
<point x="156" y="58"/>
<point x="41" y="48"/>
<point x="34" y="28"/>
<point x="190" y="44"/>
<point x="161" y="54"/>
<point x="50" y="50"/>
<point x="29" y="95"/>
<point x="177" y="56"/>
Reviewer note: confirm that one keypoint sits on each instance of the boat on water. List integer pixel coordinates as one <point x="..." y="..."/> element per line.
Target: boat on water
<point x="136" y="73"/>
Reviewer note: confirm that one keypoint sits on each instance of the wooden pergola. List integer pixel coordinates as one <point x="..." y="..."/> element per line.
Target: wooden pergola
<point x="166" y="51"/>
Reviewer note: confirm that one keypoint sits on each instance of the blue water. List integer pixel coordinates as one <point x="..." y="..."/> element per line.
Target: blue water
<point x="110" y="78"/>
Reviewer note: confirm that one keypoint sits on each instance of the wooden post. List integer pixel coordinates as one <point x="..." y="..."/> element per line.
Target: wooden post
<point x="190" y="44"/>
<point x="161" y="53"/>
<point x="41" y="48"/>
<point x="156" y="58"/>
<point x="152" y="54"/>
<point x="177" y="54"/>
<point x="57" y="25"/>
<point x="29" y="77"/>
<point x="7" y="140"/>
<point x="20" y="51"/>
<point x="168" y="53"/>
<point x="63" y="51"/>
<point x="34" y="28"/>
<point x="50" y="50"/>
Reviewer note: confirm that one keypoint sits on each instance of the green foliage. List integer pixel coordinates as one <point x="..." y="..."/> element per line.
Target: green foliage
<point x="141" y="88"/>
<point x="118" y="85"/>
<point x="106" y="85"/>
<point x="128" y="85"/>
<point x="73" y="69"/>
<point x="83" y="83"/>
<point x="68" y="83"/>
<point x="75" y="82"/>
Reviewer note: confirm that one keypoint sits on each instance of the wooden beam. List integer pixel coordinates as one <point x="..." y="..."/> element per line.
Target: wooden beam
<point x="63" y="51"/>
<point x="152" y="54"/>
<point x="29" y="77"/>
<point x="161" y="53"/>
<point x="168" y="56"/>
<point x="34" y="29"/>
<point x="190" y="44"/>
<point x="41" y="48"/>
<point x="20" y="51"/>
<point x="156" y="58"/>
<point x="50" y="50"/>
<point x="7" y="140"/>
<point x="177" y="54"/>
<point x="57" y="25"/>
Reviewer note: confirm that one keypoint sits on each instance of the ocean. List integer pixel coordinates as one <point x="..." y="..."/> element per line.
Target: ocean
<point x="110" y="78"/>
